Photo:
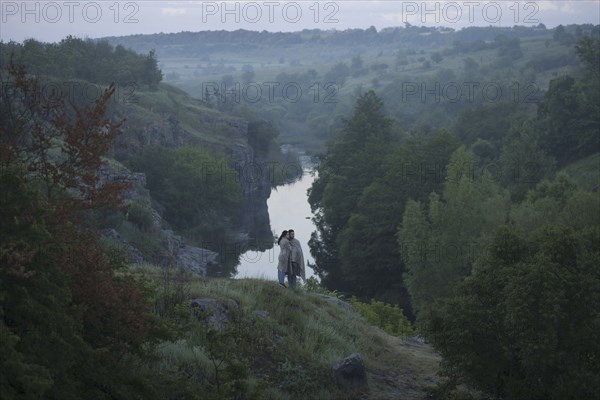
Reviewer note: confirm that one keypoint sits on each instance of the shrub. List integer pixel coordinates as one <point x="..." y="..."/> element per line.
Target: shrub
<point x="140" y="215"/>
<point x="388" y="317"/>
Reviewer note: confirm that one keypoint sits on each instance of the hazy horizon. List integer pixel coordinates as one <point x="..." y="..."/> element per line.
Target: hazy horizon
<point x="50" y="21"/>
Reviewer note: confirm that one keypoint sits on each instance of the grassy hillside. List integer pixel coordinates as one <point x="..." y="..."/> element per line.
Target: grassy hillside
<point x="193" y="116"/>
<point x="281" y="344"/>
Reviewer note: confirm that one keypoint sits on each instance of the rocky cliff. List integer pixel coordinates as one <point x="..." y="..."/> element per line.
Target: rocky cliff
<point x="172" y="119"/>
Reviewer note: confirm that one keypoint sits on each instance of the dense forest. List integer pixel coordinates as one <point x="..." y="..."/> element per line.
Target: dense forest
<point x="481" y="236"/>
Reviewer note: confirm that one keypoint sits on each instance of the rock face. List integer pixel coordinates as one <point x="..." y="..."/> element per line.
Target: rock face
<point x="255" y="178"/>
<point x="216" y="311"/>
<point x="190" y="258"/>
<point x="175" y="251"/>
<point x="134" y="256"/>
<point x="178" y="120"/>
<point x="349" y="373"/>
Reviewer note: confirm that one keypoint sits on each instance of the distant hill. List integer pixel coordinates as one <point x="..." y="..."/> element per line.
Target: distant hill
<point x="195" y="44"/>
<point x="306" y="81"/>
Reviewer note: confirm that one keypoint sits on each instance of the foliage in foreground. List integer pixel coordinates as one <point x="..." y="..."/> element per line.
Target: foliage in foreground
<point x="278" y="344"/>
<point x="525" y="324"/>
<point x="388" y="317"/>
<point x="73" y="324"/>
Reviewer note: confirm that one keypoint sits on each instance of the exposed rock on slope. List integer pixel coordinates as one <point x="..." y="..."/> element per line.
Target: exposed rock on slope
<point x="175" y="252"/>
<point x="171" y="118"/>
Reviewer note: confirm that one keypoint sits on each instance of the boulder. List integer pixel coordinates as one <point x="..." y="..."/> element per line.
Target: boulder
<point x="134" y="256"/>
<point x="217" y="311"/>
<point x="350" y="373"/>
<point x="194" y="259"/>
<point x="182" y="255"/>
<point x="339" y="302"/>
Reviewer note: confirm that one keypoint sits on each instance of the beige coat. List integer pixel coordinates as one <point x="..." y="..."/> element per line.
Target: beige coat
<point x="297" y="256"/>
<point x="285" y="250"/>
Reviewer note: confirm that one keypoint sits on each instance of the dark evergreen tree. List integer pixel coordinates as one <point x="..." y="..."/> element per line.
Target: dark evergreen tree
<point x="353" y="160"/>
<point x="569" y="115"/>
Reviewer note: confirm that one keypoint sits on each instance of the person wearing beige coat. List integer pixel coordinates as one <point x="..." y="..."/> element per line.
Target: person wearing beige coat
<point x="284" y="259"/>
<point x="296" y="257"/>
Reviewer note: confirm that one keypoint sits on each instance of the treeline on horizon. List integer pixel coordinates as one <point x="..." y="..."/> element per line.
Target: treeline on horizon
<point x="216" y="41"/>
<point x="83" y="59"/>
<point x="477" y="234"/>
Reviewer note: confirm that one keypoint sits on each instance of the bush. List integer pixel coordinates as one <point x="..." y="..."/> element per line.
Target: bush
<point x="140" y="215"/>
<point x="388" y="317"/>
<point x="196" y="187"/>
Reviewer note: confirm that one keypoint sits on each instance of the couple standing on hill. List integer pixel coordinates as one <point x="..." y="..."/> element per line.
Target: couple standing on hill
<point x="291" y="259"/>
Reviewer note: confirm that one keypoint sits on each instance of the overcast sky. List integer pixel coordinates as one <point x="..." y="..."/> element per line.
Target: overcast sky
<point x="51" y="21"/>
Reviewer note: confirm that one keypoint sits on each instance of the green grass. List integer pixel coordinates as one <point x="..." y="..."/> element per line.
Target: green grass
<point x="585" y="172"/>
<point x="195" y="117"/>
<point x="288" y="354"/>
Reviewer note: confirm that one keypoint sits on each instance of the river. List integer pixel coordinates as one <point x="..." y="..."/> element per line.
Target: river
<point x="288" y="209"/>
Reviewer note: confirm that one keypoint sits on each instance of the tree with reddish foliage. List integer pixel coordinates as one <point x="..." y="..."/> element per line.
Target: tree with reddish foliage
<point x="68" y="317"/>
<point x="58" y="142"/>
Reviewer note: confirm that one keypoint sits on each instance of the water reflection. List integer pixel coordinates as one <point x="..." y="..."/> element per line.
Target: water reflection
<point x="288" y="209"/>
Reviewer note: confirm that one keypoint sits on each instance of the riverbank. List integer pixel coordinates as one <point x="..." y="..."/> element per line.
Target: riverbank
<point x="288" y="208"/>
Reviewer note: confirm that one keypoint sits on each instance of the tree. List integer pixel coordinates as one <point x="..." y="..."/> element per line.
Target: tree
<point x="401" y="59"/>
<point x="152" y="75"/>
<point x="248" y="73"/>
<point x="569" y="115"/>
<point x="470" y="66"/>
<point x="338" y="73"/>
<point x="363" y="184"/>
<point x="440" y="242"/>
<point x="588" y="50"/>
<point x="556" y="202"/>
<point x="509" y="48"/>
<point x="351" y="162"/>
<point x="436" y="57"/>
<point x="356" y="65"/>
<point x="198" y="189"/>
<point x="525" y="324"/>
<point x="371" y="258"/>
<point x="561" y="35"/>
<point x="88" y="60"/>
<point x="523" y="164"/>
<point x="489" y="121"/>
<point x="70" y="315"/>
